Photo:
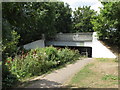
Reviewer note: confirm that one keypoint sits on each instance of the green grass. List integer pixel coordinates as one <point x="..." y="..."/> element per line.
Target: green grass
<point x="94" y="75"/>
<point x="107" y="59"/>
<point x="102" y="59"/>
<point x="82" y="74"/>
<point x="110" y="77"/>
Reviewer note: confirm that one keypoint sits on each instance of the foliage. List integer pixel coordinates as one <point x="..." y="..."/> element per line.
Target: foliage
<point x="107" y="23"/>
<point x="63" y="22"/>
<point x="32" y="19"/>
<point x="10" y="39"/>
<point x="8" y="79"/>
<point x="82" y="19"/>
<point x="66" y="55"/>
<point x="39" y="61"/>
<point x="28" y="18"/>
<point x="24" y="22"/>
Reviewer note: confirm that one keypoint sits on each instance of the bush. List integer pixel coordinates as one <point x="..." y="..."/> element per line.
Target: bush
<point x="38" y="61"/>
<point x="8" y="79"/>
<point x="10" y="39"/>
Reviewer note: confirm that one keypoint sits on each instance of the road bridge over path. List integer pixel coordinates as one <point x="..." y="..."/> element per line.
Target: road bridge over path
<point x="87" y="43"/>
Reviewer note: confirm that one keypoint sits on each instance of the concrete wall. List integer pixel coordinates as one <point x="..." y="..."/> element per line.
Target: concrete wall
<point x="64" y="43"/>
<point x="99" y="50"/>
<point x="74" y="37"/>
<point x="88" y="44"/>
<point x="35" y="44"/>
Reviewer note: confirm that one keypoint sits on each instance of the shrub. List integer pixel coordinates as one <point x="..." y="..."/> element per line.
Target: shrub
<point x="8" y="79"/>
<point x="10" y="39"/>
<point x="66" y="55"/>
<point x="38" y="61"/>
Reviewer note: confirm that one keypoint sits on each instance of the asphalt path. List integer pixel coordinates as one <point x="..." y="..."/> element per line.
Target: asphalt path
<point x="58" y="77"/>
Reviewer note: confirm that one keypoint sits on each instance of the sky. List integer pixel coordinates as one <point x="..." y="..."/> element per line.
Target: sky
<point x="75" y="3"/>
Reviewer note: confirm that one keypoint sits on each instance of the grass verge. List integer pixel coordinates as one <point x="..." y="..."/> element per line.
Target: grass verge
<point x="102" y="73"/>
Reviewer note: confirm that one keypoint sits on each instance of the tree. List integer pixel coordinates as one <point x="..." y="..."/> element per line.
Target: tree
<point x="9" y="40"/>
<point x="24" y="22"/>
<point x="107" y="23"/>
<point x="32" y="19"/>
<point x="82" y="19"/>
<point x="63" y="22"/>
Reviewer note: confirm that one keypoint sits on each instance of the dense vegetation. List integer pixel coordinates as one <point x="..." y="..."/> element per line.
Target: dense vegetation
<point x="36" y="62"/>
<point x="24" y="22"/>
<point x="82" y="19"/>
<point x="31" y="19"/>
<point x="107" y="23"/>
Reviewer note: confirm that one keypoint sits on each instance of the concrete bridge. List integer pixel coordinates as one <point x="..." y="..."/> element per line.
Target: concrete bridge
<point x="86" y="43"/>
<point x="72" y="39"/>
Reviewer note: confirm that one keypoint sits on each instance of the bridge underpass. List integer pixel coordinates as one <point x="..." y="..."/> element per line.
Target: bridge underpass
<point x="84" y="42"/>
<point x="87" y="43"/>
<point x="79" y="41"/>
<point x="84" y="51"/>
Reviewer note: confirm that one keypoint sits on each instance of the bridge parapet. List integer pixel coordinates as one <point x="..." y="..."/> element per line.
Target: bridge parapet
<point x="74" y="37"/>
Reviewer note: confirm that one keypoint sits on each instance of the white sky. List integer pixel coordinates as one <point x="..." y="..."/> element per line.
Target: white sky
<point x="76" y="3"/>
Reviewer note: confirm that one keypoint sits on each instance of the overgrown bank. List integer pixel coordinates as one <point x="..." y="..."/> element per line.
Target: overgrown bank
<point x="36" y="62"/>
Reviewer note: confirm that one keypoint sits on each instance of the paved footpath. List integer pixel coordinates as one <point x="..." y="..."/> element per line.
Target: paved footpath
<point x="58" y="77"/>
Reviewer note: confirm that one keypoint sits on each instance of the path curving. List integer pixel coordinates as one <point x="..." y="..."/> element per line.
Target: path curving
<point x="58" y="77"/>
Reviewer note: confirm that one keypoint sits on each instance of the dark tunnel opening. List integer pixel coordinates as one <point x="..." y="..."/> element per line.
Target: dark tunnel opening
<point x="86" y="51"/>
